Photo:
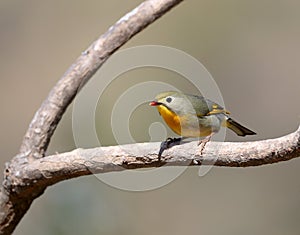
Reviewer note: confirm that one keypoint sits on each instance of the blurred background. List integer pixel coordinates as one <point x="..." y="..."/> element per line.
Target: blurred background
<point x="252" y="50"/>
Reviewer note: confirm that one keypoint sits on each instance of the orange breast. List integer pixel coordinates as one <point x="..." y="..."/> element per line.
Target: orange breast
<point x="172" y="120"/>
<point x="186" y="126"/>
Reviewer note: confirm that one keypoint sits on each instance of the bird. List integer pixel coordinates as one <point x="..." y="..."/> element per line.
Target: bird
<point x="191" y="116"/>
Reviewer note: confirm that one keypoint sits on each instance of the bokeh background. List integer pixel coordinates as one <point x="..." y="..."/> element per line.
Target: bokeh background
<point x="252" y="50"/>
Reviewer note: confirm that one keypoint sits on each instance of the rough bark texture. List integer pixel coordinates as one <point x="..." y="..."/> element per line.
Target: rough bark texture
<point x="26" y="182"/>
<point x="52" y="169"/>
<point x="15" y="201"/>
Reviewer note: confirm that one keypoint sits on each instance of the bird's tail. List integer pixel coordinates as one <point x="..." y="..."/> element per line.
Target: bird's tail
<point x="238" y="128"/>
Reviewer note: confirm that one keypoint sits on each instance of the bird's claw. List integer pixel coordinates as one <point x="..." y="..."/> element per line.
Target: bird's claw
<point x="168" y="143"/>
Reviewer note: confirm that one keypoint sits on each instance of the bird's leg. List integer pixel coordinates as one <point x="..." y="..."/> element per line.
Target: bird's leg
<point x="168" y="143"/>
<point x="204" y="141"/>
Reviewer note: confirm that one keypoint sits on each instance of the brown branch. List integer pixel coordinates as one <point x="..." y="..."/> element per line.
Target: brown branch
<point x="13" y="203"/>
<point x="29" y="180"/>
<point x="52" y="169"/>
<point x="67" y="165"/>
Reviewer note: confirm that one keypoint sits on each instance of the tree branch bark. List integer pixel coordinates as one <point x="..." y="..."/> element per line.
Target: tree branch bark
<point x="49" y="170"/>
<point x="13" y="203"/>
<point x="55" y="168"/>
<point x="67" y="165"/>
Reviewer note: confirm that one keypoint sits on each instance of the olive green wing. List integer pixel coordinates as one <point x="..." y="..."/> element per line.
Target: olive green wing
<point x="205" y="107"/>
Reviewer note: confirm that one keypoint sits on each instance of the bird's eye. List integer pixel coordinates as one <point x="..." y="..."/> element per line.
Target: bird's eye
<point x="169" y="99"/>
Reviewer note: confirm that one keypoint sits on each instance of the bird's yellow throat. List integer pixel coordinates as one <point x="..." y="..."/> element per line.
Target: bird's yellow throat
<point x="171" y="118"/>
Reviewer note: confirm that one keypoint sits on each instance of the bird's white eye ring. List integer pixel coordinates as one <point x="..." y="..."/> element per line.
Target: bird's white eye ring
<point x="169" y="99"/>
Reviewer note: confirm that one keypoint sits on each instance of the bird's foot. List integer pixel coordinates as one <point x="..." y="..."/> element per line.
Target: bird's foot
<point x="202" y="144"/>
<point x="168" y="143"/>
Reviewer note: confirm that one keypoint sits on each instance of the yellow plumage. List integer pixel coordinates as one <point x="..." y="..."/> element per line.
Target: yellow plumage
<point x="172" y="120"/>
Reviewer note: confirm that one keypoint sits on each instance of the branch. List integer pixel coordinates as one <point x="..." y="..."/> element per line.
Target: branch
<point x="13" y="203"/>
<point x="52" y="169"/>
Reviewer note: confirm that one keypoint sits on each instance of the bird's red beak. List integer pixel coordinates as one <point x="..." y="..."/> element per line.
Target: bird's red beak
<point x="153" y="103"/>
